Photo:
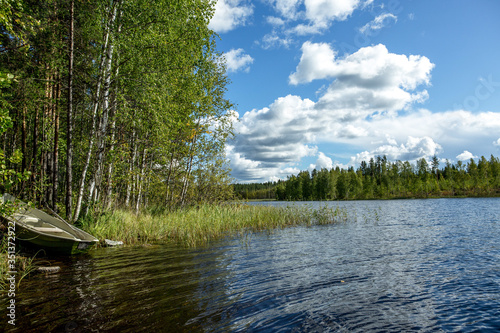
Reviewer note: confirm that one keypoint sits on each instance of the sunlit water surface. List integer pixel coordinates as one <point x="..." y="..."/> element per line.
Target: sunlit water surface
<point x="408" y="265"/>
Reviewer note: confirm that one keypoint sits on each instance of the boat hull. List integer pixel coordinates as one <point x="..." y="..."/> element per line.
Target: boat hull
<point x="35" y="240"/>
<point x="37" y="229"/>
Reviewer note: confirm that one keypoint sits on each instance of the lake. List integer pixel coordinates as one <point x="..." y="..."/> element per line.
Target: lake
<point x="402" y="265"/>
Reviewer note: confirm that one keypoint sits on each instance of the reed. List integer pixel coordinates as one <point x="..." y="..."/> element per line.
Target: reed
<point x="197" y="226"/>
<point x="23" y="266"/>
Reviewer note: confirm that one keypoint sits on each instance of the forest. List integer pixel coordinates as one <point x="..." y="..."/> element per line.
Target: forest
<point x="115" y="103"/>
<point x="381" y="179"/>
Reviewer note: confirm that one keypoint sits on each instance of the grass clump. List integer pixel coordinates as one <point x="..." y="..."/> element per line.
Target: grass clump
<point x="196" y="226"/>
<point x="23" y="266"/>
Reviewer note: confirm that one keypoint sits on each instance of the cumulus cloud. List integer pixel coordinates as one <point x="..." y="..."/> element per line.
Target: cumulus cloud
<point x="229" y="14"/>
<point x="249" y="171"/>
<point x="465" y="156"/>
<point x="360" y="108"/>
<point x="306" y="17"/>
<point x="287" y="8"/>
<point x="276" y="137"/>
<point x="413" y="149"/>
<point x="410" y="136"/>
<point x="237" y="60"/>
<point x="320" y="13"/>
<point x="450" y="128"/>
<point x="279" y="133"/>
<point x="329" y="10"/>
<point x="369" y="80"/>
<point x="315" y="16"/>
<point x="370" y="66"/>
<point x="497" y="143"/>
<point x="317" y="62"/>
<point x="323" y="162"/>
<point x="378" y="23"/>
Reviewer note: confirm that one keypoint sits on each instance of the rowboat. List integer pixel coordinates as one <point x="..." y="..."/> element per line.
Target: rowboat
<point x="38" y="229"/>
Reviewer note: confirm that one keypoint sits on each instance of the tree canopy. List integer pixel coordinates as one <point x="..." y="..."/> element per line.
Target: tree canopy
<point x="381" y="179"/>
<point x="113" y="103"/>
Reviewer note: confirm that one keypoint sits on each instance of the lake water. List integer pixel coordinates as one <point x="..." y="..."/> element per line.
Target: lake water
<point x="406" y="265"/>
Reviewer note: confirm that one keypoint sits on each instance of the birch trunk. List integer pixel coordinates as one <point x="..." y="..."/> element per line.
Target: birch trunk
<point x="141" y="180"/>
<point x="131" y="166"/>
<point x="24" y="148"/>
<point x="169" y="176"/>
<point x="55" y="154"/>
<point x="69" y="120"/>
<point x="94" y="114"/>
<point x="185" y="184"/>
<point x="109" y="190"/>
<point x="96" y="182"/>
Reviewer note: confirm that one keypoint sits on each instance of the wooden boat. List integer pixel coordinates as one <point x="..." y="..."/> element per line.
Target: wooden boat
<point x="41" y="230"/>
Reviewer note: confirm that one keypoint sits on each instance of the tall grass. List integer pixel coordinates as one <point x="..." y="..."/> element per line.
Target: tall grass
<point x="24" y="266"/>
<point x="199" y="225"/>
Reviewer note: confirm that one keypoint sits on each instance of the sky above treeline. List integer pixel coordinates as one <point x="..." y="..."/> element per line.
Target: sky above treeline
<point x="326" y="83"/>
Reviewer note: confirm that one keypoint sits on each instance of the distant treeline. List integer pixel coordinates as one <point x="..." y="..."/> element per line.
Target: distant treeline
<point x="382" y="179"/>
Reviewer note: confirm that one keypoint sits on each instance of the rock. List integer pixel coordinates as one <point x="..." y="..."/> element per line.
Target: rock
<point x="48" y="269"/>
<point x="112" y="243"/>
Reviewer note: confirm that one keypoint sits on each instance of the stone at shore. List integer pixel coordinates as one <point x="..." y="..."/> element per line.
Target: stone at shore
<point x="111" y="243"/>
<point x="48" y="269"/>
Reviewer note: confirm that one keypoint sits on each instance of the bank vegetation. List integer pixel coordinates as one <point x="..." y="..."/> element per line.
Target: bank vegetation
<point x="199" y="225"/>
<point x="380" y="178"/>
<point x="107" y="104"/>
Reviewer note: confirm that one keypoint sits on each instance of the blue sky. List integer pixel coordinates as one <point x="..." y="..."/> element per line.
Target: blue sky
<point x="321" y="83"/>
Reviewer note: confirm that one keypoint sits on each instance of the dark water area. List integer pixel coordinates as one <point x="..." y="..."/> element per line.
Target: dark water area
<point x="405" y="265"/>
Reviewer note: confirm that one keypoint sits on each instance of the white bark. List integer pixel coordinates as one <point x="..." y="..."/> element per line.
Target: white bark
<point x="141" y="180"/>
<point x="104" y="67"/>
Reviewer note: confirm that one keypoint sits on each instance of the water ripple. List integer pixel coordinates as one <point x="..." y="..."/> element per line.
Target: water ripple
<point x="409" y="265"/>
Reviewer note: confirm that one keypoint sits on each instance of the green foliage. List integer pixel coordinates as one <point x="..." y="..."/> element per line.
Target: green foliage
<point x="149" y="119"/>
<point x="197" y="226"/>
<point x="10" y="177"/>
<point x="381" y="179"/>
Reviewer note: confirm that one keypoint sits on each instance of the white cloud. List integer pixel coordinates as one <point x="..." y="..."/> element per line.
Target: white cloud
<point x="324" y="11"/>
<point x="247" y="171"/>
<point x="323" y="162"/>
<point x="409" y="136"/>
<point x="466" y="155"/>
<point x="367" y="3"/>
<point x="351" y="131"/>
<point x="369" y="80"/>
<point x="372" y="65"/>
<point x="229" y="14"/>
<point x="287" y="8"/>
<point x="449" y="128"/>
<point x="237" y="60"/>
<point x="378" y="23"/>
<point x="413" y="149"/>
<point x="275" y="21"/>
<point x="320" y="13"/>
<point x="308" y="29"/>
<point x="274" y="40"/>
<point x="391" y="140"/>
<point x="360" y="108"/>
<point x="315" y="16"/>
<point x="317" y="62"/>
<point x="278" y="134"/>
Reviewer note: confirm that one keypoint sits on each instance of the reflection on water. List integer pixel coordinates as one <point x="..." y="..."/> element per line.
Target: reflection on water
<point x="409" y="265"/>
